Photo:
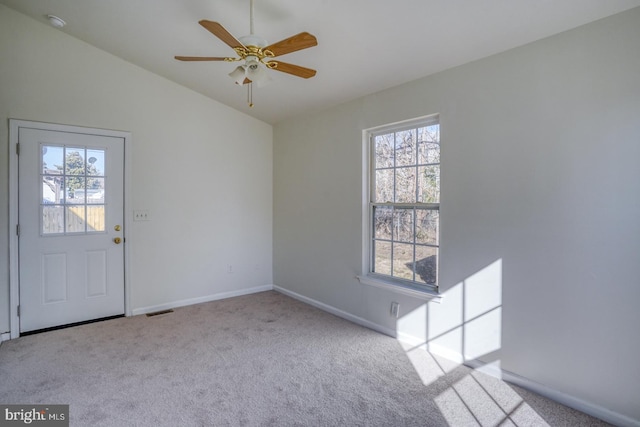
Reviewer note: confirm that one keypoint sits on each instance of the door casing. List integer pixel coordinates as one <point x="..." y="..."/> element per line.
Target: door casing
<point x="14" y="289"/>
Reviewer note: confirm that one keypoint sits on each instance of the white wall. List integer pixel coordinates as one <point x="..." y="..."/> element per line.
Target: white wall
<point x="540" y="211"/>
<point x="203" y="170"/>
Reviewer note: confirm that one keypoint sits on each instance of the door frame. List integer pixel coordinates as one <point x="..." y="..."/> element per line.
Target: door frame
<point x="14" y="279"/>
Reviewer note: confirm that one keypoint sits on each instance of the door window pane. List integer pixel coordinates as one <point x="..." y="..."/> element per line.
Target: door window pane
<point x="95" y="190"/>
<point x="52" y="219"/>
<point x="75" y="219"/>
<point x="74" y="162"/>
<point x="95" y="218"/>
<point x="73" y="190"/>
<point x="52" y="159"/>
<point x="95" y="162"/>
<point x="52" y="189"/>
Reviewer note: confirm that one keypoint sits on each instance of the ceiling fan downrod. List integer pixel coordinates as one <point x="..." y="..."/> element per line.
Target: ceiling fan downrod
<point x="251" y="17"/>
<point x="250" y="85"/>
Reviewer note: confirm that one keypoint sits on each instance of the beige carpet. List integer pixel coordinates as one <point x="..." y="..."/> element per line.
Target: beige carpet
<point x="256" y="360"/>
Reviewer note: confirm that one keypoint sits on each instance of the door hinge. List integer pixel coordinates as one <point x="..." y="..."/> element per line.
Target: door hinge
<point x="18" y="230"/>
<point x="18" y="311"/>
<point x="18" y="149"/>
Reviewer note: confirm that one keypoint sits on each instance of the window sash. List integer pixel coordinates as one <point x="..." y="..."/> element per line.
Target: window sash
<point x="414" y="206"/>
<point x="394" y="240"/>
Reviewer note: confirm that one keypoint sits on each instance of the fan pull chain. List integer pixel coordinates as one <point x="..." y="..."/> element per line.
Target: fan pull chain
<point x="250" y="94"/>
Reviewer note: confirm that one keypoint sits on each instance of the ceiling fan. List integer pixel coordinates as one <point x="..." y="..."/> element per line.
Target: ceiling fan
<point x="257" y="55"/>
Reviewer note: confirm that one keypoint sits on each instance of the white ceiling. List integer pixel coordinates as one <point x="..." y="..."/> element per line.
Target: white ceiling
<point x="364" y="46"/>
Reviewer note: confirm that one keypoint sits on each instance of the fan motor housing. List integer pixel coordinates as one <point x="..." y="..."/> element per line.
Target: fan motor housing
<point x="253" y="40"/>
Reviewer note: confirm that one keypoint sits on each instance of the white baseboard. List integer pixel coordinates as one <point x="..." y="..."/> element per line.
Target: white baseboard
<point x="555" y="395"/>
<point x="336" y="311"/>
<point x="563" y="398"/>
<point x="206" y="298"/>
<point x="5" y="337"/>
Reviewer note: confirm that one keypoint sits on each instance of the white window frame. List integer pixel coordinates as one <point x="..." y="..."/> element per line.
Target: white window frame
<point x="368" y="277"/>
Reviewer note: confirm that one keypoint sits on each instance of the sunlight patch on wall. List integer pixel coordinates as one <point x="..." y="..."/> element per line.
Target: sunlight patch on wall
<point x="482" y="335"/>
<point x="445" y="324"/>
<point x="483" y="291"/>
<point x="467" y="325"/>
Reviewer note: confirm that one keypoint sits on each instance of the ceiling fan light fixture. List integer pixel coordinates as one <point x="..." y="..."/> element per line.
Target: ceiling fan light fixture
<point x="257" y="73"/>
<point x="257" y="55"/>
<point x="238" y="75"/>
<point x="252" y="63"/>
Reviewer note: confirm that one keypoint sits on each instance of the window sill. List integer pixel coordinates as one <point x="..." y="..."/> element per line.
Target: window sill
<point x="424" y="295"/>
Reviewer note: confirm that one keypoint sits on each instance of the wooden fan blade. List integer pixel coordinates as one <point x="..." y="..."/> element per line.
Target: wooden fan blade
<point x="292" y="44"/>
<point x="295" y="70"/>
<point x="202" y="58"/>
<point x="220" y="32"/>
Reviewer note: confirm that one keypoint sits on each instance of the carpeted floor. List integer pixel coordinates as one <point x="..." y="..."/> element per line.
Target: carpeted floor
<point x="256" y="360"/>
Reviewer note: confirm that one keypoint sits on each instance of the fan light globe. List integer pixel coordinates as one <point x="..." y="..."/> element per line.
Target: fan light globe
<point x="238" y="75"/>
<point x="252" y="63"/>
<point x="257" y="74"/>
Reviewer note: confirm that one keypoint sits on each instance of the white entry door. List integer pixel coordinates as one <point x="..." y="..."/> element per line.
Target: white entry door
<point x="71" y="231"/>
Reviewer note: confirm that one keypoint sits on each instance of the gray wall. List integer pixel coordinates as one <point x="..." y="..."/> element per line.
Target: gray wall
<point x="540" y="211"/>
<point x="203" y="170"/>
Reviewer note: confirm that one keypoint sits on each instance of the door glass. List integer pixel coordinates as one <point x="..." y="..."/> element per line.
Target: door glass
<point x="95" y="162"/>
<point x="95" y="218"/>
<point x="95" y="190"/>
<point x="75" y="219"/>
<point x="73" y="190"/>
<point x="52" y="219"/>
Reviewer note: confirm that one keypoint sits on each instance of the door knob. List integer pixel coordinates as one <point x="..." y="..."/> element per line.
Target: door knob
<point x="117" y="240"/>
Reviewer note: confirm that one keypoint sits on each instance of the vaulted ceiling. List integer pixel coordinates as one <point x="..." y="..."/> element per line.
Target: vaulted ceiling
<point x="364" y="46"/>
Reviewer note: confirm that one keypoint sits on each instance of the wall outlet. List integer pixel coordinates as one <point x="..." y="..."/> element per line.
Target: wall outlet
<point x="229" y="268"/>
<point x="141" y="215"/>
<point x="395" y="309"/>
